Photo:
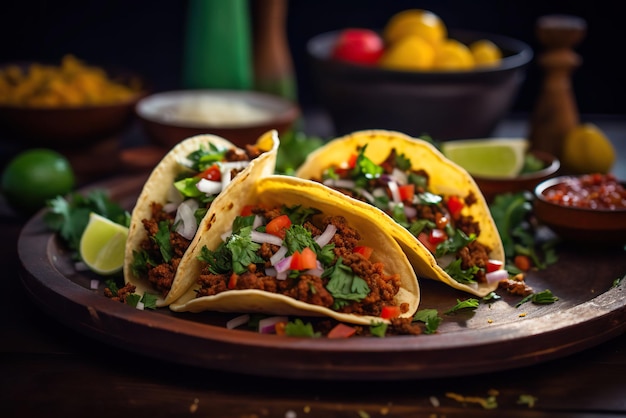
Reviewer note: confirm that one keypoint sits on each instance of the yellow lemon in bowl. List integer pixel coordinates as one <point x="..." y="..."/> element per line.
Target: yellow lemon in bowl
<point x="409" y="53"/>
<point x="415" y="22"/>
<point x="453" y="55"/>
<point x="586" y="149"/>
<point x="485" y="53"/>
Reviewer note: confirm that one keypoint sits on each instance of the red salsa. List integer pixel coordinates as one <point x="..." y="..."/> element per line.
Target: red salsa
<point x="593" y="191"/>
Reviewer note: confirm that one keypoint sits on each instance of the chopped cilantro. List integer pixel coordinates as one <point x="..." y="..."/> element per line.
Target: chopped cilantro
<point x="454" y="243"/>
<point x="298" y="238"/>
<point x="378" y="329"/>
<point x="365" y="169"/>
<point x="203" y="158"/>
<point x="527" y="400"/>
<point x="299" y="215"/>
<point x="430" y="317"/>
<point x="133" y="299"/>
<point x="298" y="328"/>
<point x="344" y="285"/>
<point x="162" y="239"/>
<point x="470" y="303"/>
<point x="243" y="250"/>
<point x="455" y="271"/>
<point x="149" y="300"/>
<point x="542" y="298"/>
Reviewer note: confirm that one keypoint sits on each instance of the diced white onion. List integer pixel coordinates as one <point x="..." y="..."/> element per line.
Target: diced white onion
<point x="410" y="212"/>
<point x="263" y="237"/>
<point x="170" y="207"/>
<point x="395" y="191"/>
<point x="185" y="220"/>
<point x="226" y="235"/>
<point x="278" y="255"/>
<point x="258" y="221"/>
<point x="226" y="178"/>
<point x="283" y="265"/>
<point x="367" y="195"/>
<point x="282" y="275"/>
<point x="268" y="325"/>
<point x="140" y="305"/>
<point x="209" y="187"/>
<point x="445" y="260"/>
<point x="379" y="192"/>
<point x="238" y="321"/>
<point x="344" y="184"/>
<point x="400" y="176"/>
<point x="94" y="284"/>
<point x="271" y="272"/>
<point x="233" y="165"/>
<point x="317" y="271"/>
<point x="326" y="236"/>
<point x="496" y="276"/>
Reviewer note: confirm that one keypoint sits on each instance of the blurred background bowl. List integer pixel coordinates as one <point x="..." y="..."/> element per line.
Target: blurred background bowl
<point x="63" y="126"/>
<point x="238" y="116"/>
<point x="490" y="187"/>
<point x="586" y="225"/>
<point x="443" y="105"/>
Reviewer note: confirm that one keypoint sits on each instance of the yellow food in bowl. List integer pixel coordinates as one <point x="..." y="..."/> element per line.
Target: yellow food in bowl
<point x="71" y="84"/>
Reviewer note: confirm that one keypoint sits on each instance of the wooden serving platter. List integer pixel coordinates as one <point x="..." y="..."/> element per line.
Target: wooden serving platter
<point x="497" y="336"/>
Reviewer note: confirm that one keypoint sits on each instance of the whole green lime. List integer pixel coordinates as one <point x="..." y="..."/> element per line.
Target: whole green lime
<point x="34" y="176"/>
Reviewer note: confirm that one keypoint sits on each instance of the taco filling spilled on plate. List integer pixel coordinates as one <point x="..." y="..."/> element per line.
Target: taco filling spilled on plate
<point x="173" y="205"/>
<point x="440" y="210"/>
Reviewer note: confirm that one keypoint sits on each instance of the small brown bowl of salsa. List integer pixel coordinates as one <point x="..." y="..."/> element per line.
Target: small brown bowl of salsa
<point x="589" y="208"/>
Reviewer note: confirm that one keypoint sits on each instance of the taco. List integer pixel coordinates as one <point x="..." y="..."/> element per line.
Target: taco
<point x="441" y="218"/>
<point x="294" y="247"/>
<point x="174" y="201"/>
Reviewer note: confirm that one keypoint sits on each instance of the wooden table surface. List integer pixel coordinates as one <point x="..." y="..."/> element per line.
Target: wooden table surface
<point x="47" y="368"/>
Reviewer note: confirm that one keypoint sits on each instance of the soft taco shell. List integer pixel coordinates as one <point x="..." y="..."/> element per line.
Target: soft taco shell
<point x="159" y="182"/>
<point x="446" y="177"/>
<point x="277" y="190"/>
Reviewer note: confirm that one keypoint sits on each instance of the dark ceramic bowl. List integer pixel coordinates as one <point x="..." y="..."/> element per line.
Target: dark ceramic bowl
<point x="444" y="105"/>
<point x="580" y="225"/>
<point x="490" y="187"/>
<point x="167" y="119"/>
<point x="64" y="127"/>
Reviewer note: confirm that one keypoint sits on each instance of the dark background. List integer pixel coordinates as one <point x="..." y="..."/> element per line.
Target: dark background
<point x="147" y="36"/>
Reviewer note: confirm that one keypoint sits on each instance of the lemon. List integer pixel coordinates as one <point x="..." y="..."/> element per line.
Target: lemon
<point x="586" y="149"/>
<point x="453" y="55"/>
<point x="35" y="175"/>
<point x="409" y="53"/>
<point x="485" y="52"/>
<point x="493" y="158"/>
<point x="423" y="23"/>
<point x="102" y="245"/>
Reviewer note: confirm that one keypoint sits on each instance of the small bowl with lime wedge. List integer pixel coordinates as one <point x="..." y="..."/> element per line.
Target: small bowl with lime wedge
<point x="502" y="165"/>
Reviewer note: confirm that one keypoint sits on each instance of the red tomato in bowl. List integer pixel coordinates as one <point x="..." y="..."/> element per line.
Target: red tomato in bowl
<point x="358" y="46"/>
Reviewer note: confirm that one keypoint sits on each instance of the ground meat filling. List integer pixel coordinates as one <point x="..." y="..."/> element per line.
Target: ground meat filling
<point x="310" y="288"/>
<point x="161" y="276"/>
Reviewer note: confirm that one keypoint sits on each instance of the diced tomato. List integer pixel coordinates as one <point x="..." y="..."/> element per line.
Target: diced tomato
<point x="278" y="226"/>
<point x="423" y="238"/>
<point x="212" y="173"/>
<point x="352" y="161"/>
<point x="437" y="236"/>
<point x="390" y="312"/>
<point x="247" y="210"/>
<point x="455" y="205"/>
<point x="407" y="191"/>
<point x="364" y="251"/>
<point x="494" y="265"/>
<point x="341" y="331"/>
<point x="232" y="281"/>
<point x="280" y="328"/>
<point x="305" y="260"/>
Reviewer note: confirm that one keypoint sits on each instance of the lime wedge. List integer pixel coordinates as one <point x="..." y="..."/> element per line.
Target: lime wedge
<point x="493" y="158"/>
<point x="102" y="245"/>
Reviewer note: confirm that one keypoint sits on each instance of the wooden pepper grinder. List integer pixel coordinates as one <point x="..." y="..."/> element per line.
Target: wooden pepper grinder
<point x="556" y="112"/>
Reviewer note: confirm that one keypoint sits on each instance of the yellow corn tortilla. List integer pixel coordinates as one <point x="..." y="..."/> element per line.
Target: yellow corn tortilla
<point x="446" y="178"/>
<point x="158" y="185"/>
<point x="277" y="190"/>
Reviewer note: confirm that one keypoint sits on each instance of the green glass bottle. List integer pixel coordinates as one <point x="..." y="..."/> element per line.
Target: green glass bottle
<point x="217" y="50"/>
